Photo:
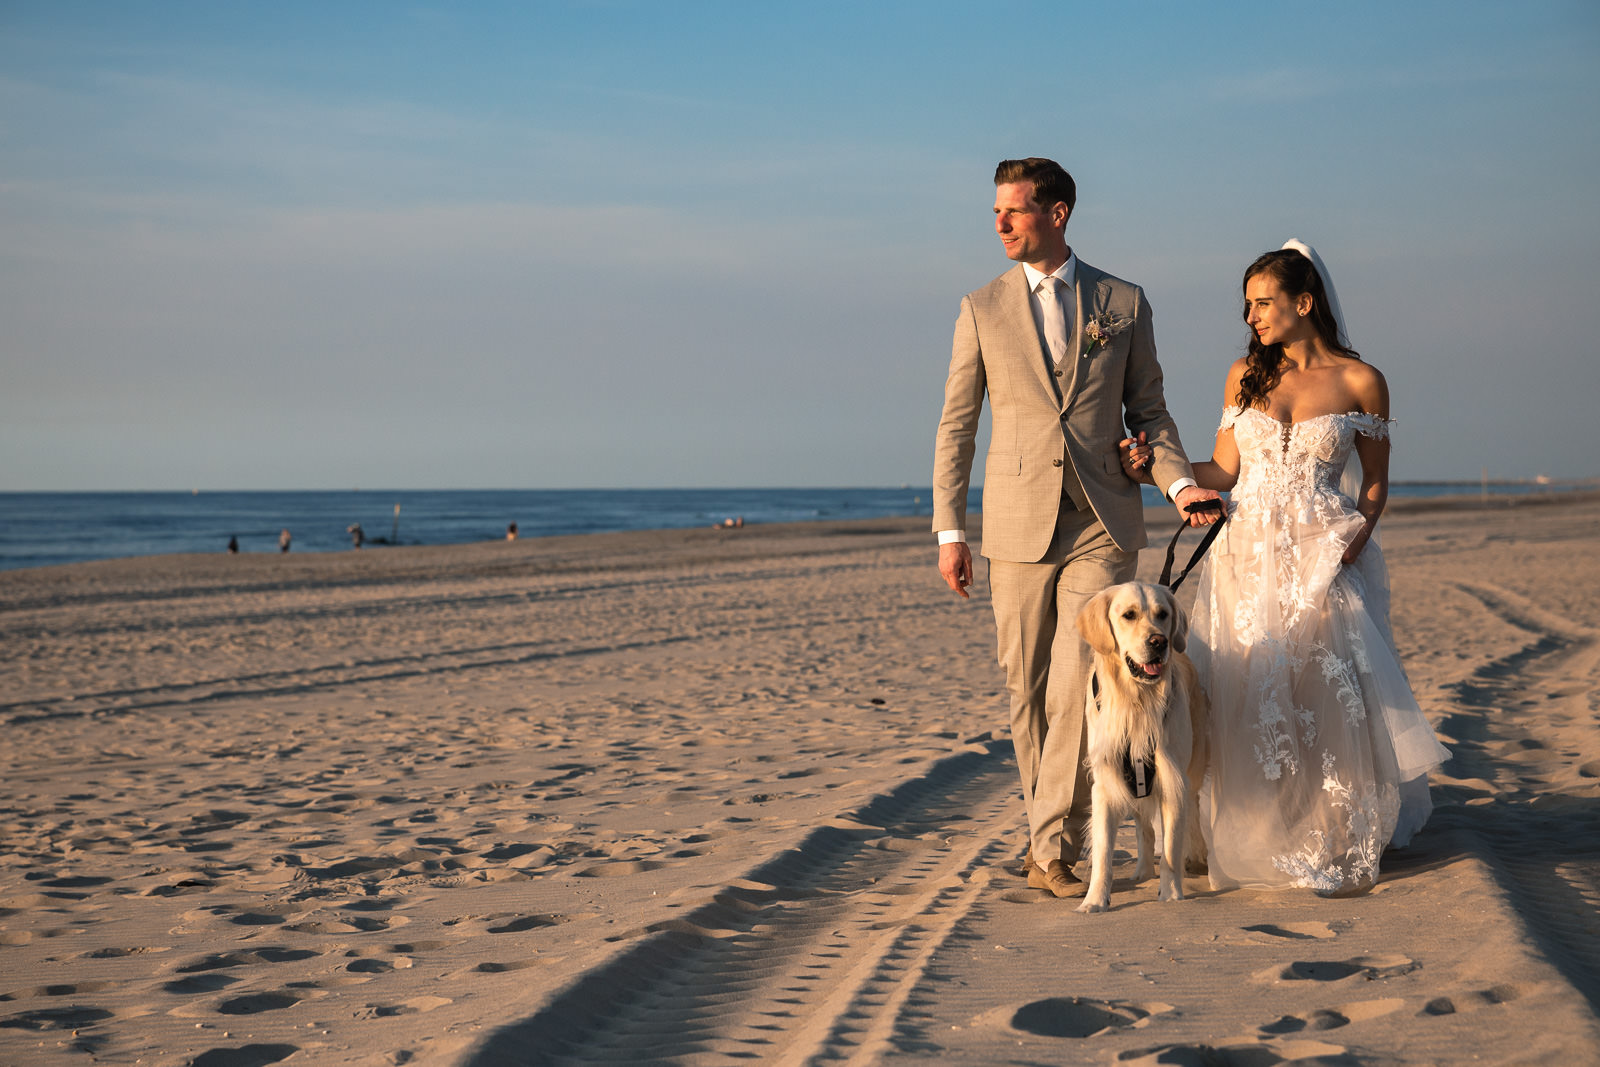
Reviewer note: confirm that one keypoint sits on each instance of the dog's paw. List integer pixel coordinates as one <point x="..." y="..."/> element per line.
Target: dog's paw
<point x="1088" y="907"/>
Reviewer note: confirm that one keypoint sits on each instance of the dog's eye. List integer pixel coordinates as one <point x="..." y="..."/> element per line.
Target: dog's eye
<point x="1130" y="614"/>
<point x="1161" y="613"/>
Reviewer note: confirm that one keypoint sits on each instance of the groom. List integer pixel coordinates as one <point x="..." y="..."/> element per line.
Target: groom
<point x="1066" y="354"/>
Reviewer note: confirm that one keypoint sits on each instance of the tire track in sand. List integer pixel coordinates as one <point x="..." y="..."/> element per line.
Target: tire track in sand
<point x="811" y="956"/>
<point x="1514" y="722"/>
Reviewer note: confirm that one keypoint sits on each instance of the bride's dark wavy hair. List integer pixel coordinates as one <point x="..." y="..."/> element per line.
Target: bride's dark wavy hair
<point x="1295" y="274"/>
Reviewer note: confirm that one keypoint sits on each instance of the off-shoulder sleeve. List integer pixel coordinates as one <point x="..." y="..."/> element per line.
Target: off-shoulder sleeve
<point x="1373" y="426"/>
<point x="1230" y="415"/>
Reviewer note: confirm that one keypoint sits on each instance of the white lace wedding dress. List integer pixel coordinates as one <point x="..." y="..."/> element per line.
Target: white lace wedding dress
<point x="1320" y="753"/>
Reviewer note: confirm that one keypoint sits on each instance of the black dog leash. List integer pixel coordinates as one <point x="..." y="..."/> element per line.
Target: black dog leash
<point x="1172" y="546"/>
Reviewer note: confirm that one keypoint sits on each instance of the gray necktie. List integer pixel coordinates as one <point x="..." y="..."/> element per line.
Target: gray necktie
<point x="1055" y="317"/>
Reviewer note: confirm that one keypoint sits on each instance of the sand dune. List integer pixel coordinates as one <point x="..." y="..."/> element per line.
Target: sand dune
<point x="727" y="796"/>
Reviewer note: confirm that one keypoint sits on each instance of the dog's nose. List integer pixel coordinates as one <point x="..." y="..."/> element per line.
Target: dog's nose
<point x="1157" y="641"/>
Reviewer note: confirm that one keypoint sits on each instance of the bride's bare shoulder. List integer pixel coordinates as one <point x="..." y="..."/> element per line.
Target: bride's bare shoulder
<point x="1366" y="383"/>
<point x="1236" y="374"/>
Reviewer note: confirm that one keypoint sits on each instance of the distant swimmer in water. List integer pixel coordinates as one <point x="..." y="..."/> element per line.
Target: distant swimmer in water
<point x="356" y="536"/>
<point x="233" y="546"/>
<point x="283" y="541"/>
<point x="511" y="532"/>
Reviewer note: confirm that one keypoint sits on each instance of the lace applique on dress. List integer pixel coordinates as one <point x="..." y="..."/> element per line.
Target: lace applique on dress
<point x="1298" y="669"/>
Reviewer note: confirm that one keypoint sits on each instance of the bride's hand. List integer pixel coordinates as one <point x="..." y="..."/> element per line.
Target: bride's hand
<point x="1353" y="551"/>
<point x="1136" y="458"/>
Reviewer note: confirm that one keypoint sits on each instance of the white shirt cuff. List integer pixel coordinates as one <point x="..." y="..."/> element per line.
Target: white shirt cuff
<point x="1179" y="486"/>
<point x="947" y="537"/>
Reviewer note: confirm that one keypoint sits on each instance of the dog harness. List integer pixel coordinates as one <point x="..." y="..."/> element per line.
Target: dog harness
<point x="1139" y="776"/>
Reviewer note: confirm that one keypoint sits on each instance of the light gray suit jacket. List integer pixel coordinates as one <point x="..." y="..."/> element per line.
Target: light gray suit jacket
<point x="997" y="350"/>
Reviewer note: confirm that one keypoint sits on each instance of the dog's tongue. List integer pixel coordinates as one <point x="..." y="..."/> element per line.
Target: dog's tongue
<point x="1151" y="670"/>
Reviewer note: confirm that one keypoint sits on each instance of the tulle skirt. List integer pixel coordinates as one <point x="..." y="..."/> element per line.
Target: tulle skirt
<point x="1320" y="753"/>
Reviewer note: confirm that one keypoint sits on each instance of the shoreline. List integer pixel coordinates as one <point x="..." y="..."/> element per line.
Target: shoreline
<point x="478" y="553"/>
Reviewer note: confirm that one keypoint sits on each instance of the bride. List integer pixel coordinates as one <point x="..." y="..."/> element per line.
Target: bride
<point x="1320" y="753"/>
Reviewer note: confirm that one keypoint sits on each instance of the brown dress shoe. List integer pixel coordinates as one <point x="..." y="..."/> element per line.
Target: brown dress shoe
<point x="1058" y="879"/>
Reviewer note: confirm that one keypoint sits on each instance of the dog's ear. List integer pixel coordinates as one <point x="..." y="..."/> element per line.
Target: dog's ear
<point x="1180" y="626"/>
<point x="1094" y="624"/>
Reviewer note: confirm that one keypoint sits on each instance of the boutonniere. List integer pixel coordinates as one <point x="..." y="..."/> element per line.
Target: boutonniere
<point x="1101" y="329"/>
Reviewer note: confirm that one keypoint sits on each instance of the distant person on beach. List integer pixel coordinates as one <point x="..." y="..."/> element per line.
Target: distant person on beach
<point x="283" y="540"/>
<point x="1320" y="753"/>
<point x="511" y="532"/>
<point x="356" y="536"/>
<point x="1066" y="355"/>
<point x="233" y="546"/>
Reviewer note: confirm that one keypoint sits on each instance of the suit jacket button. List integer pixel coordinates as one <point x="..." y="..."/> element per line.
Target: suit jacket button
<point x="1060" y="373"/>
<point x="1055" y="463"/>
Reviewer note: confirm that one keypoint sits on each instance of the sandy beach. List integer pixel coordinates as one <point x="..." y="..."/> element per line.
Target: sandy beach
<point x="733" y="796"/>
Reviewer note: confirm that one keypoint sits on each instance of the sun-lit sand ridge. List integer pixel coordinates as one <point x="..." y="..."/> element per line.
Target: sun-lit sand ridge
<point x="727" y="796"/>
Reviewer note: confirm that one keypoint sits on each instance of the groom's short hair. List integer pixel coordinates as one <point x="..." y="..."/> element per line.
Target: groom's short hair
<point x="1051" y="183"/>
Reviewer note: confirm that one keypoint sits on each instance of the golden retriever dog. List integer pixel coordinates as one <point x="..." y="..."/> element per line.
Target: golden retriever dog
<point x="1149" y="726"/>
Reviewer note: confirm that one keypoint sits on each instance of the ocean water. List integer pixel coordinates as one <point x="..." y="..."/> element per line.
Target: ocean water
<point x="40" y="529"/>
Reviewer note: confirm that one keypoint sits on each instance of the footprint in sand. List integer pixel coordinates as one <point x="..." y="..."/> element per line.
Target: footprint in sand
<point x="1295" y="931"/>
<point x="369" y="966"/>
<point x="1323" y="1019"/>
<point x="411" y="948"/>
<point x="373" y="904"/>
<point x="349" y="924"/>
<point x="200" y="983"/>
<point x="70" y="989"/>
<point x="119" y="953"/>
<point x="1370" y="967"/>
<point x="488" y="967"/>
<point x="244" y="1056"/>
<point x="265" y="915"/>
<point x="619" y="868"/>
<point x="1461" y="1003"/>
<point x="70" y="1018"/>
<point x="524" y="922"/>
<point x="181" y="888"/>
<point x="256" y="1003"/>
<point x="515" y="850"/>
<point x="414" y="1006"/>
<point x="1080" y="1017"/>
<point x="1242" y="1055"/>
<point x="1026" y="896"/>
<point x="265" y="954"/>
<point x="75" y="882"/>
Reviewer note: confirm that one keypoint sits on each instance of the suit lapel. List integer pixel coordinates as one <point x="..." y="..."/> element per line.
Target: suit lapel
<point x="1093" y="293"/>
<point x="1019" y="317"/>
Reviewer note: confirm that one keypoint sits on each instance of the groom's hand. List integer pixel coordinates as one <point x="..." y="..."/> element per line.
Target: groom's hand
<point x="955" y="563"/>
<point x="1191" y="494"/>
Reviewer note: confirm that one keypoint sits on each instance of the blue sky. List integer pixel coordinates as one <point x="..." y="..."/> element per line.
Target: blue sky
<point x="308" y="245"/>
